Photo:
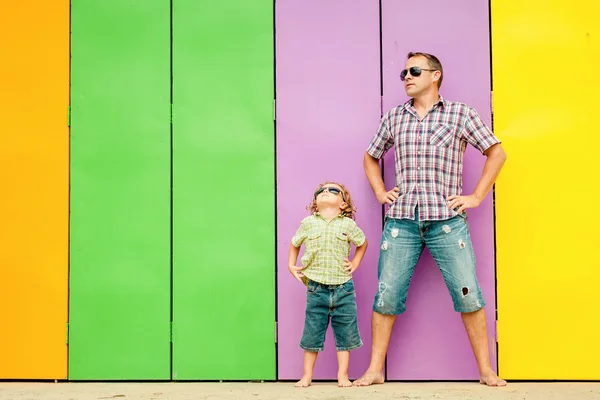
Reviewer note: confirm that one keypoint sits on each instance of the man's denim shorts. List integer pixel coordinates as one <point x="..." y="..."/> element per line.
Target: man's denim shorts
<point x="450" y="245"/>
<point x="337" y="302"/>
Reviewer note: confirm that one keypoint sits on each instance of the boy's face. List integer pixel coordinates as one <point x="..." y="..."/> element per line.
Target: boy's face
<point x="333" y="198"/>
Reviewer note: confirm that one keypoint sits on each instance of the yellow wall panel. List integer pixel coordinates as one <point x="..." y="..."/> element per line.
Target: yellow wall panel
<point x="546" y="55"/>
<point x="34" y="188"/>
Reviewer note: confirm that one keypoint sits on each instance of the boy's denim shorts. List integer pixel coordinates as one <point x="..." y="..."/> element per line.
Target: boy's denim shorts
<point x="450" y="245"/>
<point x="337" y="302"/>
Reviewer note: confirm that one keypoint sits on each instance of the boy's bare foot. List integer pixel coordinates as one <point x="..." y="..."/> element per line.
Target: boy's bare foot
<point x="491" y="379"/>
<point x="343" y="381"/>
<point x="304" y="382"/>
<point x="369" y="378"/>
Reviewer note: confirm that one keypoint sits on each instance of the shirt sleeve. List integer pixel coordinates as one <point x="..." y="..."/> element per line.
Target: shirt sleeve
<point x="356" y="235"/>
<point x="300" y="235"/>
<point x="383" y="139"/>
<point x="477" y="133"/>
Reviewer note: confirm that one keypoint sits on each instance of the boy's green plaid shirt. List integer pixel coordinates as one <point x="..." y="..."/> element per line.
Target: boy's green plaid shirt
<point x="326" y="245"/>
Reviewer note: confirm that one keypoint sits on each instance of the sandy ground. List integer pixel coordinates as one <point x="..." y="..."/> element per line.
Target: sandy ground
<point x="286" y="390"/>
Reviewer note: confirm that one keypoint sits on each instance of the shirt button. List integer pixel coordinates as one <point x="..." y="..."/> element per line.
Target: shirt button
<point x="419" y="168"/>
<point x="418" y="152"/>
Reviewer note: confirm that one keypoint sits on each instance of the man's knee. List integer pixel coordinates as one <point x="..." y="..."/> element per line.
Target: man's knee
<point x="388" y="301"/>
<point x="467" y="299"/>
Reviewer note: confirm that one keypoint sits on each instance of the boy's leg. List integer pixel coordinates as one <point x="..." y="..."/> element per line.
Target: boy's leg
<point x="310" y="357"/>
<point x="344" y="323"/>
<point x="450" y="245"/>
<point x="315" y="326"/>
<point x="343" y="358"/>
<point x="400" y="249"/>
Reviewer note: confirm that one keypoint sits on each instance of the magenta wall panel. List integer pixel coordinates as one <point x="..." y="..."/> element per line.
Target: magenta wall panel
<point x="429" y="341"/>
<point x="328" y="107"/>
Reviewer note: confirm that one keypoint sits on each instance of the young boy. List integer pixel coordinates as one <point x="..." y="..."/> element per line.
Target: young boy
<point x="327" y="273"/>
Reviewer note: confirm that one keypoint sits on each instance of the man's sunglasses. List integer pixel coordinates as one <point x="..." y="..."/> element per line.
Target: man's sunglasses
<point x="414" y="71"/>
<point x="332" y="190"/>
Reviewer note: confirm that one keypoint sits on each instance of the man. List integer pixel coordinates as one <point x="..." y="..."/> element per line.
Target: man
<point x="427" y="208"/>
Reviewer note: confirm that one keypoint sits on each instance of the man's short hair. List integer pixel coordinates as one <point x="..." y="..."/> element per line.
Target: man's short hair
<point x="433" y="62"/>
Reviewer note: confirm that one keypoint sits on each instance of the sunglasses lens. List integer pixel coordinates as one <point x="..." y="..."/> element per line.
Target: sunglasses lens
<point x="415" y="71"/>
<point x="331" y="190"/>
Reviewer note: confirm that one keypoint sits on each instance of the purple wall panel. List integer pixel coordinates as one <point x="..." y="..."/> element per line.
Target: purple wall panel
<point x="328" y="107"/>
<point x="429" y="341"/>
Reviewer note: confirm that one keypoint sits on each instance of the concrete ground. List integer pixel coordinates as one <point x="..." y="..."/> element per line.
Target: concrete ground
<point x="286" y="390"/>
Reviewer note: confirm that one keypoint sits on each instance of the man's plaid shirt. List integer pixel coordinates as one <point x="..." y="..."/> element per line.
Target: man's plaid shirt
<point x="326" y="245"/>
<point x="429" y="155"/>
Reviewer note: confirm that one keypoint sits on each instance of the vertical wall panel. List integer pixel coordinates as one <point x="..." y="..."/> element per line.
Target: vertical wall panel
<point x="224" y="190"/>
<point x="328" y="108"/>
<point x="120" y="190"/>
<point x="34" y="181"/>
<point x="547" y="219"/>
<point x="429" y="341"/>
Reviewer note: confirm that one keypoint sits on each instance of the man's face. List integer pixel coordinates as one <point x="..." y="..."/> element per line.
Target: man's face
<point x="415" y="85"/>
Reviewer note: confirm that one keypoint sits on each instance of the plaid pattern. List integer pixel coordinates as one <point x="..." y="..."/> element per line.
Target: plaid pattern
<point x="429" y="155"/>
<point x="326" y="245"/>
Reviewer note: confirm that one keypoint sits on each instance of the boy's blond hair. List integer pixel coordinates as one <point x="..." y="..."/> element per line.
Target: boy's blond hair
<point x="349" y="211"/>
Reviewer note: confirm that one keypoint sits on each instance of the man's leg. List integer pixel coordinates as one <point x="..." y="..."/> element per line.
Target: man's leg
<point x="400" y="249"/>
<point x="476" y="326"/>
<point x="450" y="245"/>
<point x="381" y="331"/>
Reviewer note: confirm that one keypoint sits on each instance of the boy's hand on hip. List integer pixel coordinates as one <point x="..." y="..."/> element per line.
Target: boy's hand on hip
<point x="463" y="202"/>
<point x="296" y="272"/>
<point x="349" y="266"/>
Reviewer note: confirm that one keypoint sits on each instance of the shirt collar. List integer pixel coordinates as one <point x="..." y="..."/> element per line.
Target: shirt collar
<point x="318" y="214"/>
<point x="409" y="105"/>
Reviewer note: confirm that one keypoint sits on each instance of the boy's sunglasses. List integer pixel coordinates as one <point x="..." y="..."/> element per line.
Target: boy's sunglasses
<point x="414" y="71"/>
<point x="332" y="190"/>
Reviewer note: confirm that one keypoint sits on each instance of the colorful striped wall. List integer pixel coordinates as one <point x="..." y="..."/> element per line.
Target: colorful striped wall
<point x="144" y="233"/>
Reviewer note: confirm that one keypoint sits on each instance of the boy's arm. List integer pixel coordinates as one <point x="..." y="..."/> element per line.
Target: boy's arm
<point x="292" y="258"/>
<point x="351" y="266"/>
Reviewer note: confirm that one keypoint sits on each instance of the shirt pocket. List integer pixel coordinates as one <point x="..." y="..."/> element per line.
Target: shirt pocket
<point x="441" y="136"/>
<point x="343" y="244"/>
<point x="314" y="240"/>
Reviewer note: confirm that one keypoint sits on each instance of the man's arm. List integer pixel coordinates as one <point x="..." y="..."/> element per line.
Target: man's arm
<point x="496" y="156"/>
<point x="373" y="172"/>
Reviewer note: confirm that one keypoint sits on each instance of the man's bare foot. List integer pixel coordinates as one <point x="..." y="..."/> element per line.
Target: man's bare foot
<point x="491" y="379"/>
<point x="369" y="378"/>
<point x="343" y="381"/>
<point x="304" y="382"/>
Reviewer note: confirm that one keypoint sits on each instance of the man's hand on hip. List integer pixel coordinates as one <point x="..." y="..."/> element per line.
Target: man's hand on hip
<point x="463" y="202"/>
<point x="388" y="197"/>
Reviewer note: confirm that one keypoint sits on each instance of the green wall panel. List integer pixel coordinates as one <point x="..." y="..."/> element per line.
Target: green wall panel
<point x="120" y="190"/>
<point x="223" y="190"/>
